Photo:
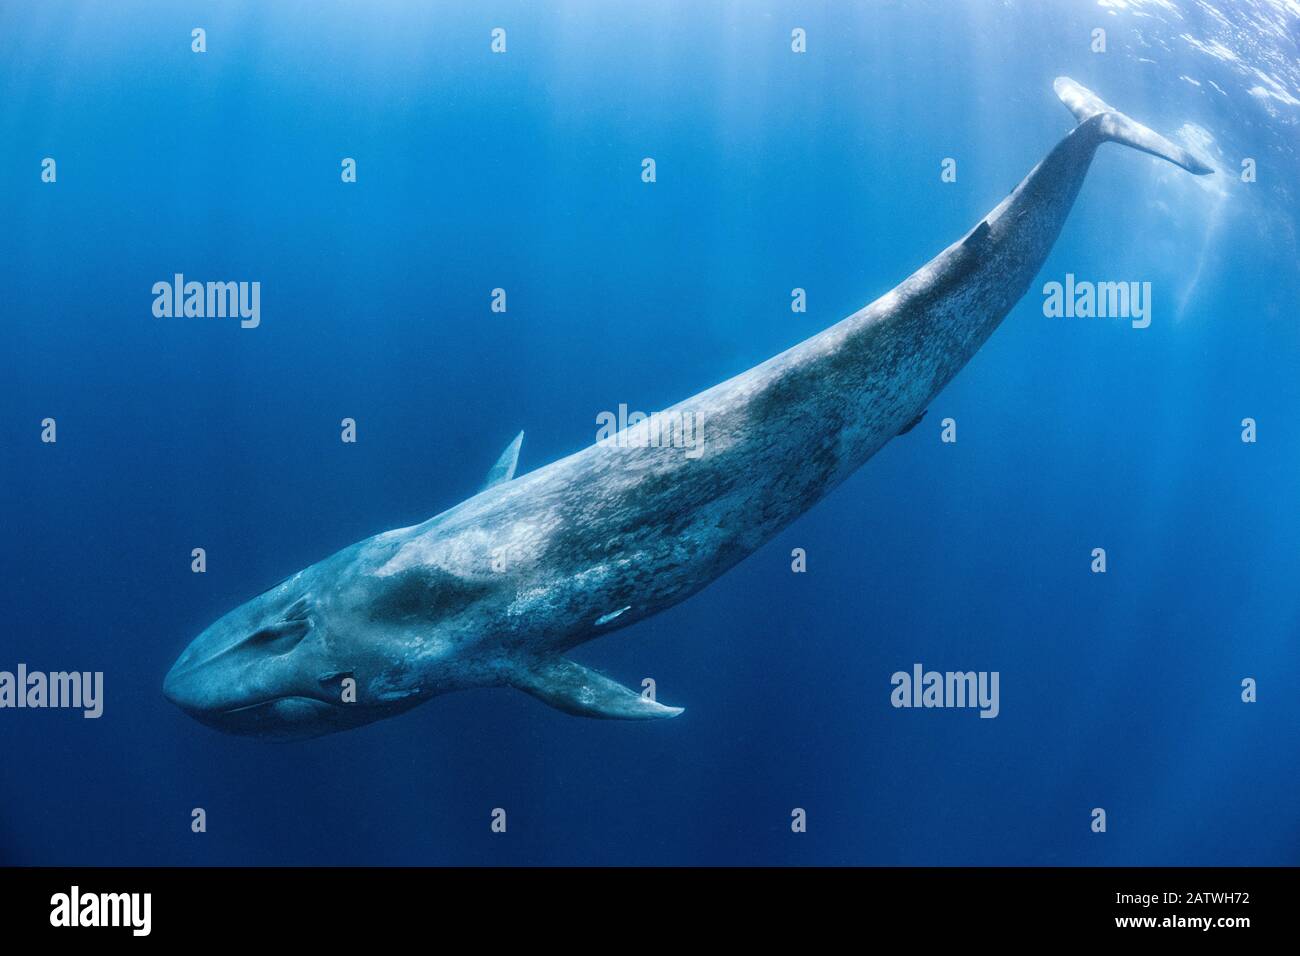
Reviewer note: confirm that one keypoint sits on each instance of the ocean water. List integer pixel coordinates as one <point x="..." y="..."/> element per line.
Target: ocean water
<point x="775" y="170"/>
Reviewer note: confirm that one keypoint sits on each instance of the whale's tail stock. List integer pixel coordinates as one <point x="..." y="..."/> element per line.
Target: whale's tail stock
<point x="1113" y="125"/>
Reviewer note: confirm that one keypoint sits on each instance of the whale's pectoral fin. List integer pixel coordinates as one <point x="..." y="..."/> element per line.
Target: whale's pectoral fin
<point x="505" y="467"/>
<point x="580" y="690"/>
<point x="1115" y="126"/>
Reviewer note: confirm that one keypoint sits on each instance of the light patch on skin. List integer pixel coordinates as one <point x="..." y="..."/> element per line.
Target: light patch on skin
<point x="539" y="601"/>
<point x="383" y="689"/>
<point x="528" y="602"/>
<point x="418" y="552"/>
<point x="469" y="547"/>
<point x="606" y="618"/>
<point x="887" y="302"/>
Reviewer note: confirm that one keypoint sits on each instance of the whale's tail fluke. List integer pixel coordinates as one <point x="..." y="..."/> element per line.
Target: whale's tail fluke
<point x="1115" y="126"/>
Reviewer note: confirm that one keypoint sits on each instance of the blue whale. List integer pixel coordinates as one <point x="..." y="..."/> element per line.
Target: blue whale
<point x="495" y="591"/>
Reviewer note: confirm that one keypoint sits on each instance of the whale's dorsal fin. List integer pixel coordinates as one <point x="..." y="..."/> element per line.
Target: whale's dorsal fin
<point x="913" y="423"/>
<point x="505" y="467"/>
<point x="978" y="238"/>
<point x="579" y="690"/>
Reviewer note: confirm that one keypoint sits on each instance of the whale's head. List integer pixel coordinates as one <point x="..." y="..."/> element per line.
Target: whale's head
<point x="270" y="668"/>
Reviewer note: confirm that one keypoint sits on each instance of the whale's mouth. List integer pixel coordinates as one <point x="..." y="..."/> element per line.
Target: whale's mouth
<point x="269" y="703"/>
<point x="281" y="718"/>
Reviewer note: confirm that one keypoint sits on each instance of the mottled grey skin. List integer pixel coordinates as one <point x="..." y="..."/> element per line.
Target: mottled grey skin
<point x="494" y="591"/>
